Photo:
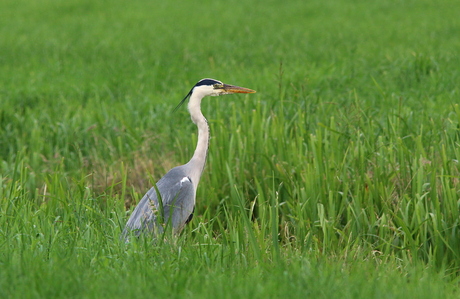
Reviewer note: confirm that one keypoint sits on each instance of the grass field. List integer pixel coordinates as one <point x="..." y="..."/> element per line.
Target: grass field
<point x="339" y="178"/>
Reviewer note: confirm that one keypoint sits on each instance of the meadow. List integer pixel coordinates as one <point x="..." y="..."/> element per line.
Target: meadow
<point x="339" y="178"/>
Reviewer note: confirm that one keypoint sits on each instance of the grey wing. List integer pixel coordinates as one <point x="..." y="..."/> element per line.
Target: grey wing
<point x="178" y="202"/>
<point x="145" y="212"/>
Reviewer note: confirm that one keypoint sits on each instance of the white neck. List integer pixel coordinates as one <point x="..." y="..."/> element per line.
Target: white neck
<point x="199" y="157"/>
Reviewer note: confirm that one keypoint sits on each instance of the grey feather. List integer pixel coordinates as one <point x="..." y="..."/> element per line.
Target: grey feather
<point x="176" y="189"/>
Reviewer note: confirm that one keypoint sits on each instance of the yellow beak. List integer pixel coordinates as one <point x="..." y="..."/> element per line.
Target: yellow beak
<point x="236" y="89"/>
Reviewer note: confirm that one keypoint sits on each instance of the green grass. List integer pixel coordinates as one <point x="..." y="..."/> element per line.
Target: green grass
<point x="339" y="178"/>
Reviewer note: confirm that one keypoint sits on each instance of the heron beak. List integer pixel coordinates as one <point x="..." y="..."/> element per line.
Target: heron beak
<point x="236" y="89"/>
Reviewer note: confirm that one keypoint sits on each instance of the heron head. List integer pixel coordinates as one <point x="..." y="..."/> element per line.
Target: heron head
<point x="212" y="87"/>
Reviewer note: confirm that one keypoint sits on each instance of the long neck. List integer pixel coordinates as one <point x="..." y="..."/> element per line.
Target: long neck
<point x="199" y="157"/>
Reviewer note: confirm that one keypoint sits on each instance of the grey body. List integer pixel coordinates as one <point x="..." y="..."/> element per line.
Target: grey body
<point x="178" y="199"/>
<point x="177" y="188"/>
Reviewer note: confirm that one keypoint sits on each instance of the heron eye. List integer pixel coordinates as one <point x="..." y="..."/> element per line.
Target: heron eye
<point x="218" y="86"/>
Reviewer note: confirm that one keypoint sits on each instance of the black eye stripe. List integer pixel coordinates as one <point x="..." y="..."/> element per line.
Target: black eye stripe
<point x="207" y="82"/>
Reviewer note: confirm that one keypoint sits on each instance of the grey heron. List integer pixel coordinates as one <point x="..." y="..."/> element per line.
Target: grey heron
<point x="172" y="200"/>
